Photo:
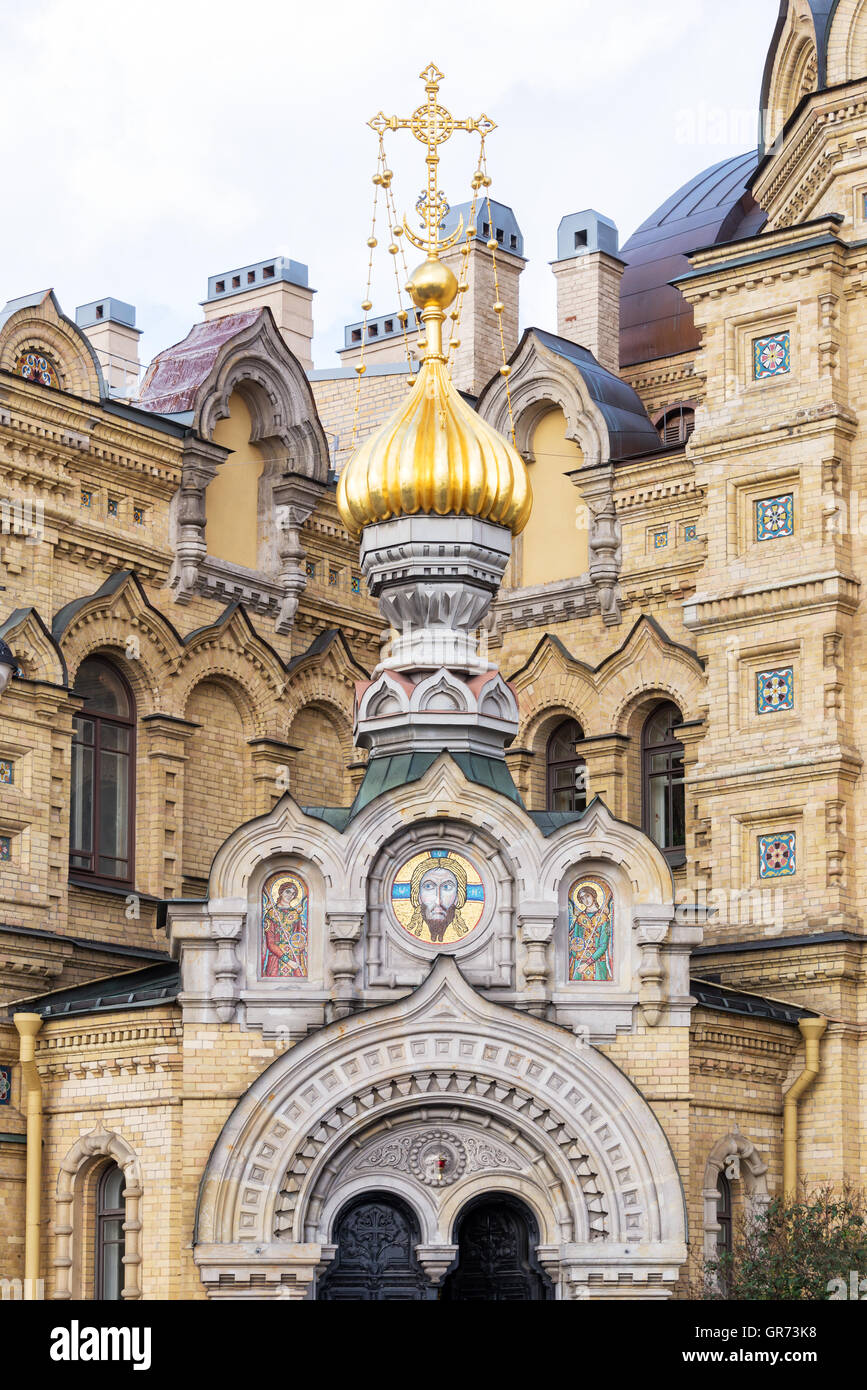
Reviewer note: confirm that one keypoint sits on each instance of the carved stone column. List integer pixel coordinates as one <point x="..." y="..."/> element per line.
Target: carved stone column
<point x="344" y="932"/>
<point x="605" y="549"/>
<point x="436" y="1260"/>
<point x="226" y="931"/>
<point x="536" y="924"/>
<point x="295" y="498"/>
<point x="650" y="932"/>
<point x="198" y="468"/>
<point x="665" y="945"/>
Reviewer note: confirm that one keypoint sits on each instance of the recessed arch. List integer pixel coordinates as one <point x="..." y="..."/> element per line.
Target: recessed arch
<point x="752" y="1171"/>
<point x="443" y="1047"/>
<point x="75" y="1180"/>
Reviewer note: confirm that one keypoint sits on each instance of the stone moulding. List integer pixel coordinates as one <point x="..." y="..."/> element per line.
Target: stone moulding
<point x="614" y="1198"/>
<point x="98" y="1143"/>
<point x="519" y="958"/>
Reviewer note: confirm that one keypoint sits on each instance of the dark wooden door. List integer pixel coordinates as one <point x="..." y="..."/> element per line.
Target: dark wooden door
<point x="375" y="1262"/>
<point x="496" y="1264"/>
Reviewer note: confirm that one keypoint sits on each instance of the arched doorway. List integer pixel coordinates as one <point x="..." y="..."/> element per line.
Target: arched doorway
<point x="376" y="1236"/>
<point x="496" y="1237"/>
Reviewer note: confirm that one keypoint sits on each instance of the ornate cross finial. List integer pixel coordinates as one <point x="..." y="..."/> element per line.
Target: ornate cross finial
<point x="432" y="124"/>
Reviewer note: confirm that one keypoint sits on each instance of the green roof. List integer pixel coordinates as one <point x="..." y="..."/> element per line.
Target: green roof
<point x="401" y="769"/>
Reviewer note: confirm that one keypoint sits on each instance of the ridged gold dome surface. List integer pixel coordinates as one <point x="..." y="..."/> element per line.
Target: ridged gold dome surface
<point x="435" y="455"/>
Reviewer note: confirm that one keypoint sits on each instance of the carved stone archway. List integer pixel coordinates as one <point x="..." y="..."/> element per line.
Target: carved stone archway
<point x="69" y="1225"/>
<point x="442" y="1065"/>
<point x="753" y="1172"/>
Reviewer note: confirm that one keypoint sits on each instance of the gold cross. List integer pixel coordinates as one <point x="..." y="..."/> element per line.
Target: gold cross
<point x="432" y="124"/>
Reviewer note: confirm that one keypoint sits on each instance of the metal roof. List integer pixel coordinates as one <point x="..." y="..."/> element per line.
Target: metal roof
<point x="733" y="1001"/>
<point x="712" y="207"/>
<point x="630" y="431"/>
<point x="175" y="375"/>
<point x="134" y="989"/>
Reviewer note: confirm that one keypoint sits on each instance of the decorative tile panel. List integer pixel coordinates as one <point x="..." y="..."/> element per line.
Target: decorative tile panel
<point x="355" y="583"/>
<point x="5" y="848"/>
<point x="775" y="690"/>
<point x="772" y="356"/>
<point x="138" y="516"/>
<point x="310" y="569"/>
<point x="86" y="498"/>
<point x="775" y="517"/>
<point x="660" y="540"/>
<point x="34" y="366"/>
<point x="689" y="533"/>
<point x="114" y="507"/>
<point x="7" y="771"/>
<point x="777" y="857"/>
<point x="333" y="577"/>
<point x="5" y="1085"/>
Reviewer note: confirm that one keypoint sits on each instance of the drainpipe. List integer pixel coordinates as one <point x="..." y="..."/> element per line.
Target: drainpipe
<point x="28" y="1026"/>
<point x="811" y="1030"/>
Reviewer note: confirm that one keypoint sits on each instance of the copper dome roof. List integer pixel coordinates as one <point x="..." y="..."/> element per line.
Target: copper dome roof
<point x="655" y="319"/>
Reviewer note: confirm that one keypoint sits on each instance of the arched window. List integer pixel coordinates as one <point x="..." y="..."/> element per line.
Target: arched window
<point x="103" y="768"/>
<point x="664" y="801"/>
<point x="110" y="1240"/>
<point x="567" y="773"/>
<point x="677" y="424"/>
<point x="724" y="1216"/>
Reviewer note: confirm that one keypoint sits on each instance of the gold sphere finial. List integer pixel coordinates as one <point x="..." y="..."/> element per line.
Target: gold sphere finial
<point x="432" y="285"/>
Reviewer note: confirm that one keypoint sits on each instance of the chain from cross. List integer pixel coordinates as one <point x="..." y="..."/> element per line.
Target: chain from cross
<point x="432" y="125"/>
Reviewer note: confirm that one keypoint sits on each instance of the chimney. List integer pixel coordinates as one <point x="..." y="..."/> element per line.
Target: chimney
<point x="588" y="272"/>
<point x="384" y="341"/>
<point x="480" y="354"/>
<point x="109" y="324"/>
<point x="280" y="284"/>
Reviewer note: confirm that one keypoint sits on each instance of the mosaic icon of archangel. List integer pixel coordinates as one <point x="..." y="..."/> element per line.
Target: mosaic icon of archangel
<point x="284" y="927"/>
<point x="438" y="897"/>
<point x="591" y="930"/>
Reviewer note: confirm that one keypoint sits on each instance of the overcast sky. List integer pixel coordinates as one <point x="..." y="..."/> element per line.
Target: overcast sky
<point x="145" y="146"/>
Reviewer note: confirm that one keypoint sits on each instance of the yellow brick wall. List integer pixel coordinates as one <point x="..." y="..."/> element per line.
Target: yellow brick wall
<point x="216" y="776"/>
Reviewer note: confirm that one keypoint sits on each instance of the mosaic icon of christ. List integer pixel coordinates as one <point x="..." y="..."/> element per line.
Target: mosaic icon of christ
<point x="444" y="905"/>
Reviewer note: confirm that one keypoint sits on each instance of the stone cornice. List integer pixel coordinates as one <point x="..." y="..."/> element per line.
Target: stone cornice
<point x="87" y="431"/>
<point x="648" y="489"/>
<point x="810" y="422"/>
<point x="731" y="277"/>
<point x="806" y="593"/>
<point x="150" y="564"/>
<point x="141" y="1032"/>
<point x="541" y="604"/>
<point x="837" y="761"/>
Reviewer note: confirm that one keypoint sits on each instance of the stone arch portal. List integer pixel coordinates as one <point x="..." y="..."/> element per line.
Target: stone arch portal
<point x="438" y="1100"/>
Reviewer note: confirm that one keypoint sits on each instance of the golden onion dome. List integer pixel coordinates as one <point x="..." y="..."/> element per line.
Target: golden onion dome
<point x="435" y="455"/>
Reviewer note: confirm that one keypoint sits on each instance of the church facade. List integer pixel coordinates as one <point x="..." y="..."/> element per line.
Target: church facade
<point x="515" y="952"/>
